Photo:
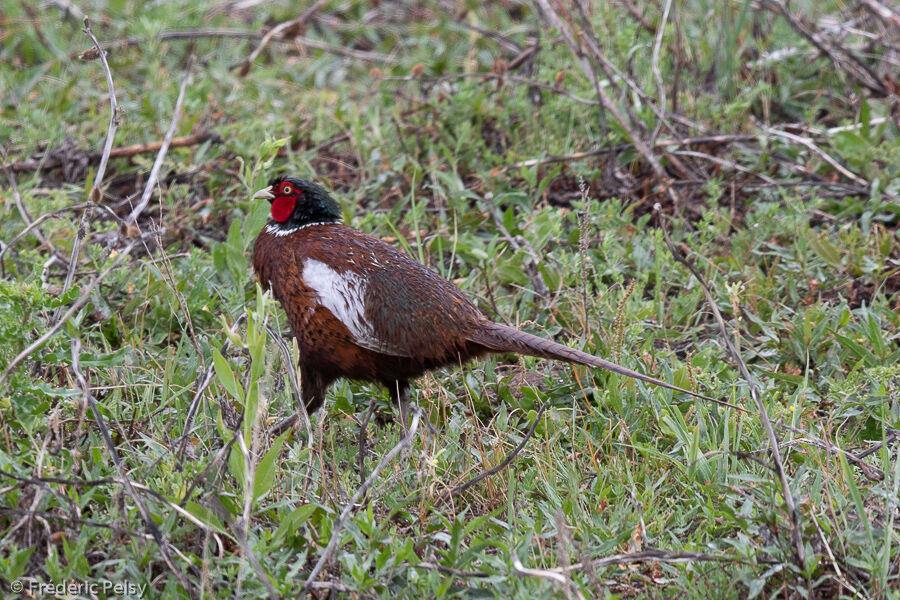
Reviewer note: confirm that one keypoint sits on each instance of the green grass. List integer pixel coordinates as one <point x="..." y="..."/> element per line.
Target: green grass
<point x="807" y="280"/>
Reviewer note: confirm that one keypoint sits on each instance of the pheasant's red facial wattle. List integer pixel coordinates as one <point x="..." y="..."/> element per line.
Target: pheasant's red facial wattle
<point x="283" y="208"/>
<point x="285" y="201"/>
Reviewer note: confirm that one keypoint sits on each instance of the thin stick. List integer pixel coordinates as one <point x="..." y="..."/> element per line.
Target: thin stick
<point x="521" y="569"/>
<point x="793" y="513"/>
<point x="96" y="194"/>
<point x="361" y="454"/>
<point x="244" y="533"/>
<point x="724" y="162"/>
<point x="295" y="387"/>
<point x="863" y="73"/>
<point x="883" y="12"/>
<point x="195" y="401"/>
<point x="73" y="259"/>
<point x="76" y="306"/>
<point x="221" y="454"/>
<point x="339" y="524"/>
<point x="120" y="152"/>
<point x="608" y="103"/>
<point x="455" y="491"/>
<point x="537" y="278"/>
<point x="870" y="471"/>
<point x="50" y="215"/>
<point x="808" y="143"/>
<point x="646" y="556"/>
<point x="654" y="63"/>
<point x="243" y="67"/>
<point x="123" y="474"/>
<point x="709" y="139"/>
<point x="23" y="212"/>
<point x="75" y="521"/>
<point x="157" y="164"/>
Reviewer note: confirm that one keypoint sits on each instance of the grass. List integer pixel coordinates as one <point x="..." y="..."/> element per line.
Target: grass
<point x="806" y="274"/>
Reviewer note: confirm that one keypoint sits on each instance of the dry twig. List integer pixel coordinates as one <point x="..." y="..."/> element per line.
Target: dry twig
<point x="157" y="164"/>
<point x="570" y="31"/>
<point x="793" y="513"/>
<point x="23" y="212"/>
<point x="96" y="194"/>
<point x="886" y="13"/>
<point x="665" y="556"/>
<point x="123" y="474"/>
<point x="243" y="67"/>
<point x="204" y="383"/>
<point x="456" y="490"/>
<point x="300" y="411"/>
<point x="842" y="59"/>
<point x="351" y="505"/>
<point x="654" y="62"/>
<point x="81" y="301"/>
<point x="557" y="576"/>
<point x="121" y="152"/>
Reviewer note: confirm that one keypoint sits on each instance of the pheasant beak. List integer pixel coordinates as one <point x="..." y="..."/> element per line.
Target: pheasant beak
<point x="264" y="194"/>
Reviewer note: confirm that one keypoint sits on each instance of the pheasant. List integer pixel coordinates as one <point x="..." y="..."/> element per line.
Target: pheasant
<point x="361" y="309"/>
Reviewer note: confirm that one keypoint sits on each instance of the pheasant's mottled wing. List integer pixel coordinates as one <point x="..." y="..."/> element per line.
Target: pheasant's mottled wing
<point x="412" y="310"/>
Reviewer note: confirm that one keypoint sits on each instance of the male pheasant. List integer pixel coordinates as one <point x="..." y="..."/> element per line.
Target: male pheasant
<point x="362" y="309"/>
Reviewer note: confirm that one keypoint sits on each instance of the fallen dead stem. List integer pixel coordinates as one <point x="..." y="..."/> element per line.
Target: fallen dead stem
<point x="708" y="139"/>
<point x="96" y="195"/>
<point x="288" y="29"/>
<point x="871" y="472"/>
<point x="560" y="577"/>
<point x="300" y="412"/>
<point x="885" y="13"/>
<point x="456" y="490"/>
<point x="793" y="513"/>
<point x="351" y="505"/>
<point x="195" y="401"/>
<point x="664" y="556"/>
<point x="81" y="301"/>
<point x="581" y="45"/>
<point x="37" y="164"/>
<point x="161" y="543"/>
<point x="844" y="60"/>
<point x="4" y="247"/>
<point x="164" y="148"/>
<point x="29" y="222"/>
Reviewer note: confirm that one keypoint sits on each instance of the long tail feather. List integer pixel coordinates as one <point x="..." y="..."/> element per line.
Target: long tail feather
<point x="501" y="338"/>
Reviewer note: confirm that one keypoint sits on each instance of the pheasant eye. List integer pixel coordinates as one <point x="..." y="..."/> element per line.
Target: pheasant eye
<point x="287" y="189"/>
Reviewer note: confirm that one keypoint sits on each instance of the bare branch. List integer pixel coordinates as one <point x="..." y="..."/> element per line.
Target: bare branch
<point x="157" y="164"/>
<point x="654" y="62"/>
<point x="808" y="143"/>
<point x="76" y="306"/>
<point x="120" y="152"/>
<point x="96" y="194"/>
<point x="665" y="556"/>
<point x="123" y="474"/>
<point x="23" y="212"/>
<point x="204" y="383"/>
<point x="244" y="66"/>
<point x="883" y="12"/>
<point x="556" y="21"/>
<point x="793" y="513"/>
<point x="73" y="258"/>
<point x="351" y="505"/>
<point x="455" y="491"/>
